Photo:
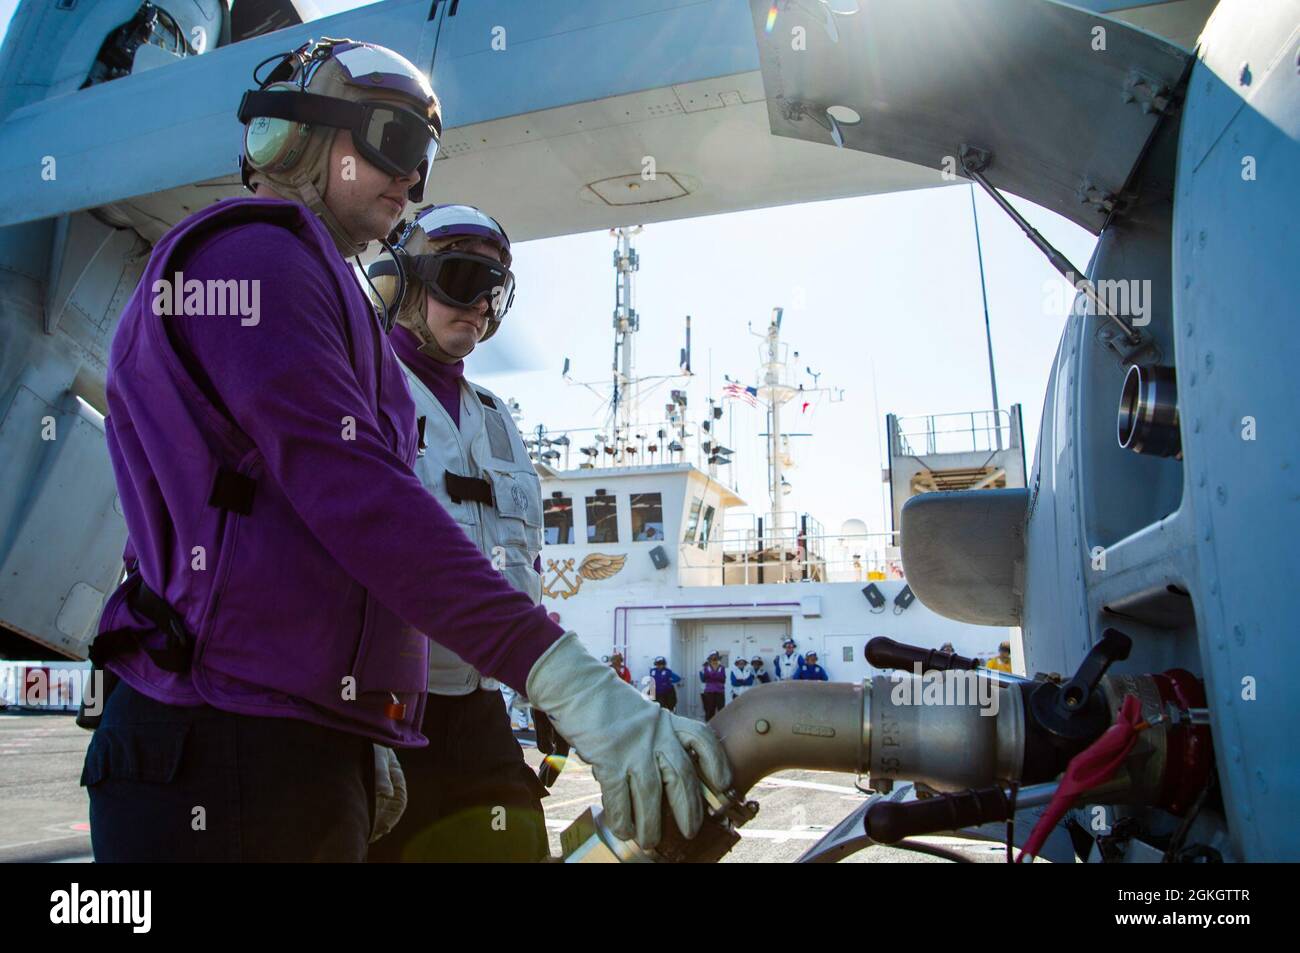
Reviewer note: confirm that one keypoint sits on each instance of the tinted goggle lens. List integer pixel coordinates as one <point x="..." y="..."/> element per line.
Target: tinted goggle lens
<point x="463" y="280"/>
<point x="396" y="140"/>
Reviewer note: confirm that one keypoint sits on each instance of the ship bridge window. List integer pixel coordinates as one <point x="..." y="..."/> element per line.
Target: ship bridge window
<point x="693" y="523"/>
<point x="647" y="517"/>
<point x="706" y="526"/>
<point x="602" y="518"/>
<point x="557" y="518"/>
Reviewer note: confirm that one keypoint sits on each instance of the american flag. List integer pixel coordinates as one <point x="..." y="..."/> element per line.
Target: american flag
<point x="737" y="392"/>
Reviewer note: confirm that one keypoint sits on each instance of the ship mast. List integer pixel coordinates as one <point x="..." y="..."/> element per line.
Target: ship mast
<point x="623" y="399"/>
<point x="776" y="388"/>
<point x="775" y="391"/>
<point x="617" y="440"/>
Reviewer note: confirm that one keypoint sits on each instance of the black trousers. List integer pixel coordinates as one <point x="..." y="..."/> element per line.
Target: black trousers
<point x="713" y="703"/>
<point x="668" y="699"/>
<point x="197" y="784"/>
<point x="470" y="795"/>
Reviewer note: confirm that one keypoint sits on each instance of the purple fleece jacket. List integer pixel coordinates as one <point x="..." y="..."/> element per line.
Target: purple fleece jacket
<point x="342" y="543"/>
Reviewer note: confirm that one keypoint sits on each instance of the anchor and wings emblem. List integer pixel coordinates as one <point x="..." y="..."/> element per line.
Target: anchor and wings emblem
<point x="596" y="566"/>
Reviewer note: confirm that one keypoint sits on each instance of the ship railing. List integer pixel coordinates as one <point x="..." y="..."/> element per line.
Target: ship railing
<point x="788" y="528"/>
<point x="742" y="557"/>
<point x="614" y="446"/>
<point x="973" y="431"/>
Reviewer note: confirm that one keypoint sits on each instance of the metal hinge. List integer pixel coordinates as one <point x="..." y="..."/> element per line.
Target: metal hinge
<point x="1149" y="93"/>
<point x="1100" y="199"/>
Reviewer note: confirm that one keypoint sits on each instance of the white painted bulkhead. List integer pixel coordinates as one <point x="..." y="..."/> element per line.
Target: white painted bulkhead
<point x="611" y="592"/>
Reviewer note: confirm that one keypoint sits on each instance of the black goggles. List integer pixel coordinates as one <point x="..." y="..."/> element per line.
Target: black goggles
<point x="396" y="140"/>
<point x="462" y="280"/>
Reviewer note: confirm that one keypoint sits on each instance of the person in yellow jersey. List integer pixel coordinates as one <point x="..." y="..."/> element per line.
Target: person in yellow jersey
<point x="1002" y="663"/>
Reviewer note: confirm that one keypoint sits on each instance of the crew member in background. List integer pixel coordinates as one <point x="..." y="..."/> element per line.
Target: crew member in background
<point x="621" y="670"/>
<point x="1003" y="661"/>
<point x="742" y="679"/>
<point x="787" y="664"/>
<point x="761" y="675"/>
<point x="458" y="289"/>
<point x="714" y="677"/>
<point x="809" y="670"/>
<point x="666" y="681"/>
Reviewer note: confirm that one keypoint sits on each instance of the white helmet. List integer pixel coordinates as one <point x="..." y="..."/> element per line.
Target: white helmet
<point x="325" y="86"/>
<point x="430" y="262"/>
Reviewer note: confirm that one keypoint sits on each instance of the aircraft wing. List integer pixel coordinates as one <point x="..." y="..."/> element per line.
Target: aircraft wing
<point x="564" y="118"/>
<point x="561" y="118"/>
<point x="167" y="127"/>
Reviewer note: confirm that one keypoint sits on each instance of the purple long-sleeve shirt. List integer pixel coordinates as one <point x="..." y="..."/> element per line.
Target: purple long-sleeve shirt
<point x="289" y="395"/>
<point x="288" y="383"/>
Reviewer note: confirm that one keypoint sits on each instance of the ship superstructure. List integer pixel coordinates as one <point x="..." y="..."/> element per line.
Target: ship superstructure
<point x="650" y="551"/>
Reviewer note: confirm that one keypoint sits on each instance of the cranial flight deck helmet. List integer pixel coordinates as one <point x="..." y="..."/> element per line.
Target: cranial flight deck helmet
<point x="329" y="85"/>
<point x="429" y="261"/>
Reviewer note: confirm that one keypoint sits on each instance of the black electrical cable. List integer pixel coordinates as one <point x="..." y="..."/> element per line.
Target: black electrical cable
<point x="398" y="259"/>
<point x="281" y="57"/>
<point x="1180" y="835"/>
<point x="932" y="849"/>
<point x="389" y="314"/>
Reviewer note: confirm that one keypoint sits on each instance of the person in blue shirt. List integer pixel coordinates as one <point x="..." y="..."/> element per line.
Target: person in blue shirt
<point x="742" y="679"/>
<point x="761" y="676"/>
<point x="665" y="678"/>
<point x="809" y="670"/>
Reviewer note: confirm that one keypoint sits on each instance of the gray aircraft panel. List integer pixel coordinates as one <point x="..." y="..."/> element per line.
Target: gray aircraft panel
<point x="177" y="122"/>
<point x="1066" y="111"/>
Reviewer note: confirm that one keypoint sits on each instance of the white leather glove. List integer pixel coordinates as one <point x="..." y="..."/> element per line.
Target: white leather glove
<point x="390" y="792"/>
<point x="635" y="748"/>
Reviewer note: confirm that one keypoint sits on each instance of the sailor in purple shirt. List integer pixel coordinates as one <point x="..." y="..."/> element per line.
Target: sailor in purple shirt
<point x="666" y="682"/>
<point x="714" y="677"/>
<point x="286" y="568"/>
<point x="470" y="795"/>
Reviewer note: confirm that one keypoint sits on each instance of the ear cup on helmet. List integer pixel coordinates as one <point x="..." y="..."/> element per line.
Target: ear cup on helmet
<point x="275" y="145"/>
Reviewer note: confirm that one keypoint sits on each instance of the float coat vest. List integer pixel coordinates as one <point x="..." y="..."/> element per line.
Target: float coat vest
<point x="481" y="474"/>
<point x="742" y="680"/>
<point x="278" y="627"/>
<point x="785" y="666"/>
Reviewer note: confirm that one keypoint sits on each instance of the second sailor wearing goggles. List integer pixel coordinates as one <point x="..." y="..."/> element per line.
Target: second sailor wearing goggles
<point x="457" y="286"/>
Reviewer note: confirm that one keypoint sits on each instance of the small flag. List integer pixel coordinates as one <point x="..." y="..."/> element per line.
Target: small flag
<point x="738" y="392"/>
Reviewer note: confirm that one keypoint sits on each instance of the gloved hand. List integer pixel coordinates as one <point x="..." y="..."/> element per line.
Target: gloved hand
<point x="635" y="748"/>
<point x="390" y="792"/>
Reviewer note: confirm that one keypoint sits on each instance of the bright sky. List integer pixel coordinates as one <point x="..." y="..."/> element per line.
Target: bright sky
<point x="891" y="312"/>
<point x="881" y="297"/>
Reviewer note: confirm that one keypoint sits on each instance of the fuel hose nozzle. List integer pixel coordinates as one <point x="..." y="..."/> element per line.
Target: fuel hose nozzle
<point x="970" y="735"/>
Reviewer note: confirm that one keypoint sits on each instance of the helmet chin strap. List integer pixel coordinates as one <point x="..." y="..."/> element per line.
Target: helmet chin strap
<point x="307" y="185"/>
<point x="348" y="246"/>
<point x="433" y="349"/>
<point x="429" y="346"/>
<point x="418" y="325"/>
